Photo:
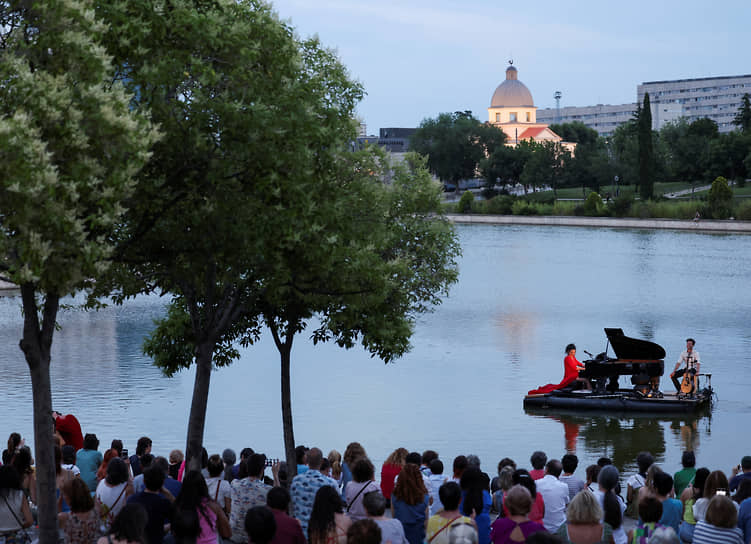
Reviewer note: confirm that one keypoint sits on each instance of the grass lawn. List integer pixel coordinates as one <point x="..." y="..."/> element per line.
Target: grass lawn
<point x="660" y="188"/>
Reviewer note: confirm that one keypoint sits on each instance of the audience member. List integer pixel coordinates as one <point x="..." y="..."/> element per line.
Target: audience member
<point x="569" y="462"/>
<point x="219" y="488"/>
<point x="538" y="460"/>
<point x="644" y="460"/>
<point x="300" y="454"/>
<point x="650" y="512"/>
<point x="716" y="481"/>
<point x="409" y="503"/>
<point x="689" y="497"/>
<point x="672" y="509"/>
<point x="450" y="495"/>
<point x="495" y="484"/>
<point x="176" y="458"/>
<point x="427" y="457"/>
<point x="62" y="478"/>
<point x="522" y="477"/>
<point x="685" y="476"/>
<point x="14" y="444"/>
<point x="69" y="460"/>
<point x="229" y="457"/>
<point x="516" y="526"/>
<point x="721" y="523"/>
<point x="142" y="446"/>
<point x="741" y="472"/>
<point x="145" y="460"/>
<point x="260" y="525"/>
<point x="391" y="529"/>
<point x="22" y="462"/>
<point x="435" y="480"/>
<point x="247" y="493"/>
<point x="505" y="481"/>
<point x="555" y="494"/>
<point x="81" y="524"/>
<point x="744" y="519"/>
<point x="612" y="505"/>
<point x="14" y="507"/>
<point x="304" y="488"/>
<point x="327" y="523"/>
<point x="584" y="521"/>
<point x="592" y="472"/>
<point x="363" y="476"/>
<point x="170" y="484"/>
<point x="352" y="453"/>
<point x="194" y="497"/>
<point x="335" y="460"/>
<point x="89" y="459"/>
<point x="476" y="501"/>
<point x="158" y="508"/>
<point x="288" y="529"/>
<point x="364" y="531"/>
<point x="128" y="527"/>
<point x="68" y="429"/>
<point x="458" y="467"/>
<point x="101" y="472"/>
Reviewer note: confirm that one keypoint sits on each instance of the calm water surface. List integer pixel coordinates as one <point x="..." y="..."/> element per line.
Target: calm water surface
<point x="523" y="294"/>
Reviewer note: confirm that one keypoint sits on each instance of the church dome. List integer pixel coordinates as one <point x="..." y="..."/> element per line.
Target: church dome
<point x="512" y="92"/>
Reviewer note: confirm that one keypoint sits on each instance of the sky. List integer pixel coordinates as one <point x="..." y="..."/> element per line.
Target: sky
<point x="418" y="58"/>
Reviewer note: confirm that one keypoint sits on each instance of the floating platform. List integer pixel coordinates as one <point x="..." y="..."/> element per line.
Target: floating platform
<point x="623" y="400"/>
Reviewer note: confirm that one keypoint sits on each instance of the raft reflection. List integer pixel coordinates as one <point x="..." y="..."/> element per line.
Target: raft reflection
<point x="621" y="436"/>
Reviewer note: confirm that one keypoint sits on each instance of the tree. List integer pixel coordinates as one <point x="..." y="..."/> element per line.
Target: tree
<point x="543" y="169"/>
<point x="625" y="148"/>
<point x="743" y="118"/>
<point x="720" y="198"/>
<point x="455" y="144"/>
<point x="646" y="150"/>
<point x="254" y="120"/>
<point x="69" y="148"/>
<point x="576" y="132"/>
<point x="506" y="163"/>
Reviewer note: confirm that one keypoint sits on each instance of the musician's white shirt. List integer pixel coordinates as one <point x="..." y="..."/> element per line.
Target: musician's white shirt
<point x="691" y="361"/>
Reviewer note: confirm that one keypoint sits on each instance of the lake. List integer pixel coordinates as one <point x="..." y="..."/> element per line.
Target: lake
<point x="523" y="294"/>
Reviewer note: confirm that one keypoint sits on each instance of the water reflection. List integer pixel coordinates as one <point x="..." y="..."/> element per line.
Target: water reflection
<point x="621" y="436"/>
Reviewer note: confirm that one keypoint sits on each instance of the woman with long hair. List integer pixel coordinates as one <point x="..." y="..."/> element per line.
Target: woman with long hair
<point x="690" y="495"/>
<point x="353" y="452"/>
<point x="112" y="493"/>
<point x="328" y="524"/>
<point x="522" y="477"/>
<point x="335" y="460"/>
<point x="210" y="518"/>
<point x="612" y="505"/>
<point x="128" y="527"/>
<point x="477" y="501"/>
<point x="410" y="502"/>
<point x="15" y="442"/>
<point x="81" y="524"/>
<point x="22" y="462"/>
<point x="15" y="514"/>
<point x="101" y="472"/>
<point x="390" y="470"/>
<point x="721" y="523"/>
<point x="715" y="481"/>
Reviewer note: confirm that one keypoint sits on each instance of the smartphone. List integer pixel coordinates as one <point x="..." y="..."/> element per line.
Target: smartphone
<point x="271" y="462"/>
<point x="124" y="454"/>
<point x="722" y="492"/>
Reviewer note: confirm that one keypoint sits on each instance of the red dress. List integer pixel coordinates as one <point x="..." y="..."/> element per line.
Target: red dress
<point x="570" y="373"/>
<point x="70" y="430"/>
<point x="388" y="475"/>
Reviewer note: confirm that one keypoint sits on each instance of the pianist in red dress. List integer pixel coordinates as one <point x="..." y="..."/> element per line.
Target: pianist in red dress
<point x="571" y="368"/>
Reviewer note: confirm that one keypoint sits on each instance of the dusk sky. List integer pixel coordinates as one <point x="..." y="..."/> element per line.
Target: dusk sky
<point x="417" y="58"/>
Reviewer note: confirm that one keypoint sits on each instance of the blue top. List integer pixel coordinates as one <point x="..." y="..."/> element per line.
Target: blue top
<point x="672" y="511"/>
<point x="481" y="519"/>
<point x="744" y="519"/>
<point x="88" y="462"/>
<point x="412" y="518"/>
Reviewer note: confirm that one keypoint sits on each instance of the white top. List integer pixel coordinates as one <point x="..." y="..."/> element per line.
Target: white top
<point x="73" y="468"/>
<point x="436" y="481"/>
<point x="691" y="361"/>
<point x="700" y="508"/>
<point x="619" y="534"/>
<point x="225" y="490"/>
<point x="8" y="522"/>
<point x="555" y="495"/>
<point x="108" y="496"/>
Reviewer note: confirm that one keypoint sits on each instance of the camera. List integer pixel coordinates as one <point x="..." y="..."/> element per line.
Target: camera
<point x="271" y="462"/>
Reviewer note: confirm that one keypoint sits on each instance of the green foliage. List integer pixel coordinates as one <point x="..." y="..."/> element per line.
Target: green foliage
<point x="720" y="199"/>
<point x="564" y="208"/>
<point x="455" y="144"/>
<point x="505" y="164"/>
<point x="543" y="166"/>
<point x="524" y="207"/>
<point x="499" y="205"/>
<point x="593" y="205"/>
<point x="624" y="145"/>
<point x="743" y="118"/>
<point x="466" y="202"/>
<point x="576" y="132"/>
<point x="621" y="205"/>
<point x="646" y="150"/>
<point x="743" y="210"/>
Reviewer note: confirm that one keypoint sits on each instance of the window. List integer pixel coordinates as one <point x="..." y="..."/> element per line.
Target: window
<point x="512" y="117"/>
<point x="529" y="117"/>
<point x="497" y="117"/>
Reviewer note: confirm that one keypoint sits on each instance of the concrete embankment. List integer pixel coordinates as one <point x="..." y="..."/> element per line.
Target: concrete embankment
<point x="703" y="225"/>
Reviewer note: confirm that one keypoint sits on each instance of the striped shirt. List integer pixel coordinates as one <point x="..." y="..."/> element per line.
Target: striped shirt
<point x="710" y="534"/>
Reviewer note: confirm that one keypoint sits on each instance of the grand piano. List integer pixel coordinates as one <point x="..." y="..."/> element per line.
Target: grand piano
<point x="640" y="359"/>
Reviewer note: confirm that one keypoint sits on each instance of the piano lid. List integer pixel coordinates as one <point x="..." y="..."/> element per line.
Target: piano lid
<point x="633" y="348"/>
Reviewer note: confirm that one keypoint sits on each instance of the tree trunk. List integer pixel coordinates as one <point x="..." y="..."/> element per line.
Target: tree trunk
<point x="285" y="350"/>
<point x="36" y="345"/>
<point x="197" y="418"/>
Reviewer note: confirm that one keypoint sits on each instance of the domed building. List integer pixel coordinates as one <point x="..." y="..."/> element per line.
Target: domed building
<point x="513" y="110"/>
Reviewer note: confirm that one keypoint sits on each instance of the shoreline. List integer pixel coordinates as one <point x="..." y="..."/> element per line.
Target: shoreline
<point x="704" y="225"/>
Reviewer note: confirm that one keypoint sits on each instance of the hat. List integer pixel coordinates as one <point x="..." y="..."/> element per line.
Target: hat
<point x="746" y="462"/>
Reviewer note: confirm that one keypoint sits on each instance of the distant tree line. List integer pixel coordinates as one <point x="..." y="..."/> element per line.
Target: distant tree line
<point x="459" y="146"/>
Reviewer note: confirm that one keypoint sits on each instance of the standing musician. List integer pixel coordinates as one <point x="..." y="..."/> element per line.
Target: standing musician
<point x="690" y="358"/>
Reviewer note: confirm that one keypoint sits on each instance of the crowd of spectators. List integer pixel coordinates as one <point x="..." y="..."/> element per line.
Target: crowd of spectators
<point x="111" y="497"/>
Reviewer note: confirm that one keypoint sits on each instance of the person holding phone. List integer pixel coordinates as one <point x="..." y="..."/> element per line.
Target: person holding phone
<point x="740" y="473"/>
